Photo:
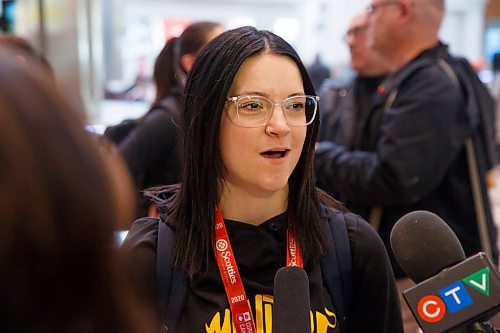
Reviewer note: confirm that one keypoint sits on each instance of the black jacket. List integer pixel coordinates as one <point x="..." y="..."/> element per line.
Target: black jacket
<point x="259" y="252"/>
<point x="152" y="151"/>
<point x="411" y="156"/>
<point x="345" y="107"/>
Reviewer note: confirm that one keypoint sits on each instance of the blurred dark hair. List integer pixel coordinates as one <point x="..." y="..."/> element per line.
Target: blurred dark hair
<point x="21" y="47"/>
<point x="168" y="72"/>
<point x="58" y="212"/>
<point x="192" y="210"/>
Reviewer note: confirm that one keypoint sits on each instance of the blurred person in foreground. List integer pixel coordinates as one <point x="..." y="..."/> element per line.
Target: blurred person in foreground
<point x="250" y="127"/>
<point x="152" y="149"/>
<point x="345" y="108"/>
<point x="22" y="48"/>
<point x="59" y="207"/>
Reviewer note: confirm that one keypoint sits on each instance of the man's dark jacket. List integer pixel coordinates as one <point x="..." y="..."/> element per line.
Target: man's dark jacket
<point x="344" y="107"/>
<point x="410" y="154"/>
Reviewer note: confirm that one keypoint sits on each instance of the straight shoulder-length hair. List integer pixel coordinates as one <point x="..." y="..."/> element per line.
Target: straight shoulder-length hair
<point x="192" y="211"/>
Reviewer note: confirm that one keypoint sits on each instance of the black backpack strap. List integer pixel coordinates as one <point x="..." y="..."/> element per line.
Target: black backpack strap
<point x="336" y="265"/>
<point x="172" y="284"/>
<point x="392" y="83"/>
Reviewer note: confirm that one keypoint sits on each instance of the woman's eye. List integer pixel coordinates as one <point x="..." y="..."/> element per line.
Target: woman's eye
<point x="296" y="106"/>
<point x="251" y="106"/>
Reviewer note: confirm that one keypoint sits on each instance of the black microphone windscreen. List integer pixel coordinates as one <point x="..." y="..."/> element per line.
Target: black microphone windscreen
<point x="291" y="301"/>
<point x="424" y="245"/>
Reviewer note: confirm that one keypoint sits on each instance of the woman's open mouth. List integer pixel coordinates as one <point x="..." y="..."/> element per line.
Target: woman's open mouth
<point x="275" y="153"/>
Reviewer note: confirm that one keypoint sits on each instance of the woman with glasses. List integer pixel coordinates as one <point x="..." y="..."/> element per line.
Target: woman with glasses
<point x="248" y="204"/>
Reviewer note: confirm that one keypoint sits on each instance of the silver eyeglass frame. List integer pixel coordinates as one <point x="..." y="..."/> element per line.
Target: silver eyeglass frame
<point x="235" y="99"/>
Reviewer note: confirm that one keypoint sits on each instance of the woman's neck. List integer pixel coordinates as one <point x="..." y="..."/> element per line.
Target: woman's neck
<point x="243" y="206"/>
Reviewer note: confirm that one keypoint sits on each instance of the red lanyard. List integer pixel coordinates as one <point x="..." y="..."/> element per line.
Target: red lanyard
<point x="240" y="307"/>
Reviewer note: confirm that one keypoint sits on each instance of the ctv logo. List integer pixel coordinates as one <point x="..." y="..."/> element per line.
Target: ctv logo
<point x="453" y="297"/>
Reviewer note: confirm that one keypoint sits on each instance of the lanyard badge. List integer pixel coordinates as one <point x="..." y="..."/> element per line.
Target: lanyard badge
<point x="240" y="307"/>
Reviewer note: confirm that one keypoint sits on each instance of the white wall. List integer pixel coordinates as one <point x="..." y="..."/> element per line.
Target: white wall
<point x="67" y="32"/>
<point x="74" y="40"/>
<point x="463" y="27"/>
<point x="322" y="22"/>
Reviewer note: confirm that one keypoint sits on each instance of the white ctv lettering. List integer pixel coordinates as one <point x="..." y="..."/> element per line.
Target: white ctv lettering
<point x="454" y="293"/>
<point x="229" y="267"/>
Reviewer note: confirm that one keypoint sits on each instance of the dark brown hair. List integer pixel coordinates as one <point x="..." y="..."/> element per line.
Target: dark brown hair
<point x="192" y="210"/>
<point x="58" y="210"/>
<point x="167" y="65"/>
<point x="22" y="47"/>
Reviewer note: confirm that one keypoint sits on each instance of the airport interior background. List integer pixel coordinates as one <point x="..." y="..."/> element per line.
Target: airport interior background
<point x="102" y="51"/>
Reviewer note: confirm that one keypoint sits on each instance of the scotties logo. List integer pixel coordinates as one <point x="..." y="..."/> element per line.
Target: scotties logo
<point x="221" y="245"/>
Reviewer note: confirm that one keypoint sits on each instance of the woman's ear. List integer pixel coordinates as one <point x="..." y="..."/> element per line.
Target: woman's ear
<point x="187" y="62"/>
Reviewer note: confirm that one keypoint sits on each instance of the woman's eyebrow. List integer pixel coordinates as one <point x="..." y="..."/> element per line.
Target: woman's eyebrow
<point x="258" y="93"/>
<point x="297" y="94"/>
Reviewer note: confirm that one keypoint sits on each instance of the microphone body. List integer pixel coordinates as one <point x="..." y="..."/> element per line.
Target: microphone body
<point x="292" y="305"/>
<point x="477" y="328"/>
<point x="457" y="296"/>
<point x="451" y="292"/>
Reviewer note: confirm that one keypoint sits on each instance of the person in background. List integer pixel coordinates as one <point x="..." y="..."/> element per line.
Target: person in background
<point x="318" y="72"/>
<point x="152" y="149"/>
<point x="495" y="89"/>
<point x="412" y="150"/>
<point x="343" y="108"/>
<point x="58" y="209"/>
<point x="250" y="126"/>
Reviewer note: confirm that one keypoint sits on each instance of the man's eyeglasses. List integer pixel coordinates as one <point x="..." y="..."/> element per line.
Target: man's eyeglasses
<point x="255" y="110"/>
<point x="370" y="9"/>
<point x="355" y="32"/>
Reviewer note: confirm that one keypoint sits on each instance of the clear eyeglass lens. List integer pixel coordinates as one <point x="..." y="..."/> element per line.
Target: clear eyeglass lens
<point x="256" y="110"/>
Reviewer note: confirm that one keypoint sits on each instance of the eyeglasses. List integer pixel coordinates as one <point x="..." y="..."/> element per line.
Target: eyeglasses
<point x="355" y="32"/>
<point x="255" y="110"/>
<point x="370" y="9"/>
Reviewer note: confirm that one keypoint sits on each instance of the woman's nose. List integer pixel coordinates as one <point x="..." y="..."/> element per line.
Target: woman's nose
<point x="277" y="124"/>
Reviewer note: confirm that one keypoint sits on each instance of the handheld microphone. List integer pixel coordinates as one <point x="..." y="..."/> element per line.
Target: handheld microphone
<point x="451" y="291"/>
<point x="292" y="305"/>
